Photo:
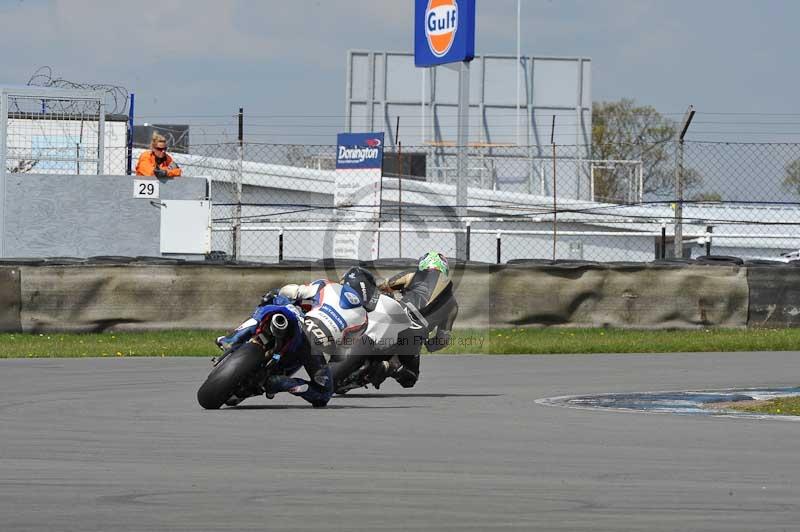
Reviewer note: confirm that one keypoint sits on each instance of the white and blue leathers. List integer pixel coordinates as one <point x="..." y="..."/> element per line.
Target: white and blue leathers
<point x="334" y="314"/>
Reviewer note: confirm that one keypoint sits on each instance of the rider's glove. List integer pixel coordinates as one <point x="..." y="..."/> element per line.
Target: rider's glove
<point x="160" y="173"/>
<point x="267" y="298"/>
<point x="383" y="285"/>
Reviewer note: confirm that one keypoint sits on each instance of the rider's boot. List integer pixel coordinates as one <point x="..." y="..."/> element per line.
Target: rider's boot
<point x="407" y="372"/>
<point x="317" y="392"/>
<point x="379" y="371"/>
<point x="405" y="377"/>
<point x="281" y="383"/>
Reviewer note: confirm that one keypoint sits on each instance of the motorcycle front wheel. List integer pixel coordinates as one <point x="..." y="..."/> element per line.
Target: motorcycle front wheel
<point x="226" y="377"/>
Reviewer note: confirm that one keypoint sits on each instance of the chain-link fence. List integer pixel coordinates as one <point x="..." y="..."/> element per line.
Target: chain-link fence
<point x="52" y="131"/>
<point x="276" y="202"/>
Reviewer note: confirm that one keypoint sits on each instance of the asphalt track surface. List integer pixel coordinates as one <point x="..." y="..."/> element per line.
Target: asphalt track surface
<point x="121" y="444"/>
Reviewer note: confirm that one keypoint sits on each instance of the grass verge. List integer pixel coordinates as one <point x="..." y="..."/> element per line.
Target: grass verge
<point x="784" y="406"/>
<point x="492" y="341"/>
<point x="565" y="341"/>
<point x="110" y="344"/>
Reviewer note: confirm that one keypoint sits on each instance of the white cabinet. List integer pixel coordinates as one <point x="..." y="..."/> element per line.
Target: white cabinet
<point x="185" y="226"/>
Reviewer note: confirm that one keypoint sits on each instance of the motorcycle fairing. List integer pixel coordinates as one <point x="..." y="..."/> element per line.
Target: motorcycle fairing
<point x="291" y="313"/>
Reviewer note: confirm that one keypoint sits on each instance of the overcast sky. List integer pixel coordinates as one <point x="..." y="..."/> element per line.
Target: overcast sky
<point x="198" y="61"/>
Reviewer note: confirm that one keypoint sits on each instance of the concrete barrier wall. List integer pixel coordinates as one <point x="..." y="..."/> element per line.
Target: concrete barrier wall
<point x="641" y="296"/>
<point x="81" y="297"/>
<point x="774" y="296"/>
<point x="10" y="299"/>
<point x="146" y="297"/>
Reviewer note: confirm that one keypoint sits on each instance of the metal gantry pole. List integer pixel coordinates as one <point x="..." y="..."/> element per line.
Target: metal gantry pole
<point x="461" y="158"/>
<point x="423" y="99"/>
<point x="519" y="63"/>
<point x="555" y="196"/>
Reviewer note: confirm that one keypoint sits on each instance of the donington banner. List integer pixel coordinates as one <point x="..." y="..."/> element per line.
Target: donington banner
<point x="359" y="162"/>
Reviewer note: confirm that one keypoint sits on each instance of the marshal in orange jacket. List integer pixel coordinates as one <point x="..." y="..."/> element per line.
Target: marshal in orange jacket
<point x="147" y="165"/>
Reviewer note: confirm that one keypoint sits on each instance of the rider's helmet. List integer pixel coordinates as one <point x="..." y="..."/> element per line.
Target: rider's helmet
<point x="363" y="282"/>
<point x="434" y="260"/>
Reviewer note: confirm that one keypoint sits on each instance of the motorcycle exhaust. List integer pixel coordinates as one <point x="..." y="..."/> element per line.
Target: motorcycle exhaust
<point x="279" y="325"/>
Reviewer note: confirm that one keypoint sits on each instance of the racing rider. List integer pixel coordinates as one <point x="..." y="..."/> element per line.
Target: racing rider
<point x="430" y="291"/>
<point x="334" y="315"/>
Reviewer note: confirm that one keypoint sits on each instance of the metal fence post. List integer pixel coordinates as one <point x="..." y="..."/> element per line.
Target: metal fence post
<point x="3" y="169"/>
<point x="129" y="160"/>
<point x="101" y="134"/>
<point x="280" y="245"/>
<point x="678" y="239"/>
<point x="499" y="250"/>
<point x="469" y="239"/>
<point x="687" y="120"/>
<point x="709" y="230"/>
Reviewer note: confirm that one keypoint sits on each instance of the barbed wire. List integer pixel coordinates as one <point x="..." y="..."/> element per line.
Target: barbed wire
<point x="116" y="95"/>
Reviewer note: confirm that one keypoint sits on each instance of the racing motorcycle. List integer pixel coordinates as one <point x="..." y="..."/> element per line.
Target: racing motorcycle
<point x="253" y="355"/>
<point x="395" y="327"/>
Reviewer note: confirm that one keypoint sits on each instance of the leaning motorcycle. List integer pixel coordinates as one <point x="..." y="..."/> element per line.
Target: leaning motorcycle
<point x="254" y="355"/>
<point x="390" y="327"/>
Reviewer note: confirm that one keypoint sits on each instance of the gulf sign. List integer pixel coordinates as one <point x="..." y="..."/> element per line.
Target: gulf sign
<point x="444" y="31"/>
<point x="359" y="150"/>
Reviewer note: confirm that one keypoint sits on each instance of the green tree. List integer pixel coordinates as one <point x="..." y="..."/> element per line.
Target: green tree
<point x="623" y="130"/>
<point x="791" y="179"/>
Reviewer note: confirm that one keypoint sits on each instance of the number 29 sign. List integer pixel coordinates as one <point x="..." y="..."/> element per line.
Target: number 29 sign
<point x="145" y="188"/>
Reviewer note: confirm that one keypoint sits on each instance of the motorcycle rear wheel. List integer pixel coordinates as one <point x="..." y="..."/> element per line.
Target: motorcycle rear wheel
<point x="225" y="378"/>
